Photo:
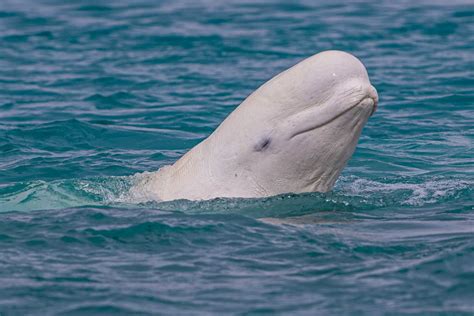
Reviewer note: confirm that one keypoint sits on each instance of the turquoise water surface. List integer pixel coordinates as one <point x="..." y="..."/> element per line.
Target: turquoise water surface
<point x="92" y="92"/>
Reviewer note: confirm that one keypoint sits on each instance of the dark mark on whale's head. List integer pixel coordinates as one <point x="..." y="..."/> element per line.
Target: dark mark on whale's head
<point x="263" y="144"/>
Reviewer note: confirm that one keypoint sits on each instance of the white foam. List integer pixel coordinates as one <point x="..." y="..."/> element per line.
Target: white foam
<point x="416" y="194"/>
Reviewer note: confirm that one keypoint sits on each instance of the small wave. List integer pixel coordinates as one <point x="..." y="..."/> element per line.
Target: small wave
<point x="350" y="194"/>
<point x="36" y="195"/>
<point x="114" y="101"/>
<point x="404" y="191"/>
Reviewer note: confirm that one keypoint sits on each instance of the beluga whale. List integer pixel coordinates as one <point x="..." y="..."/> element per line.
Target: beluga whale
<point x="294" y="134"/>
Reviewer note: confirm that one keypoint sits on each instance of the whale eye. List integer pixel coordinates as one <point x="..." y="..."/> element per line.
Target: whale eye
<point x="263" y="144"/>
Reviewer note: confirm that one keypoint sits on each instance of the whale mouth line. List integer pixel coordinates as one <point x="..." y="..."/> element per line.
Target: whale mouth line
<point x="374" y="106"/>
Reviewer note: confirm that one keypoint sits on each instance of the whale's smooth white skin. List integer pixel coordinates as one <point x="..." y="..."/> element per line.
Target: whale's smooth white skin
<point x="293" y="134"/>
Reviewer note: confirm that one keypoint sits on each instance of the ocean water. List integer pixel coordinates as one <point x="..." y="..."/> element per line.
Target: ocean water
<point x="93" y="92"/>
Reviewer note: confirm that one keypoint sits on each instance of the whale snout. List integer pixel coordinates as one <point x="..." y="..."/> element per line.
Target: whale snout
<point x="370" y="99"/>
<point x="372" y="94"/>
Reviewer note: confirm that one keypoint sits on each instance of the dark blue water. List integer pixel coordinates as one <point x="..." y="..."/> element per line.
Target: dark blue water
<point x="92" y="92"/>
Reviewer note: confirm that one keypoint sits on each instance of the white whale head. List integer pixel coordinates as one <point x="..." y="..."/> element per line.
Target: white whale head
<point x="295" y="133"/>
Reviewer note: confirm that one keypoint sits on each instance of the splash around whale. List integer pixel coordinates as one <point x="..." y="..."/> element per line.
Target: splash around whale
<point x="293" y="134"/>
